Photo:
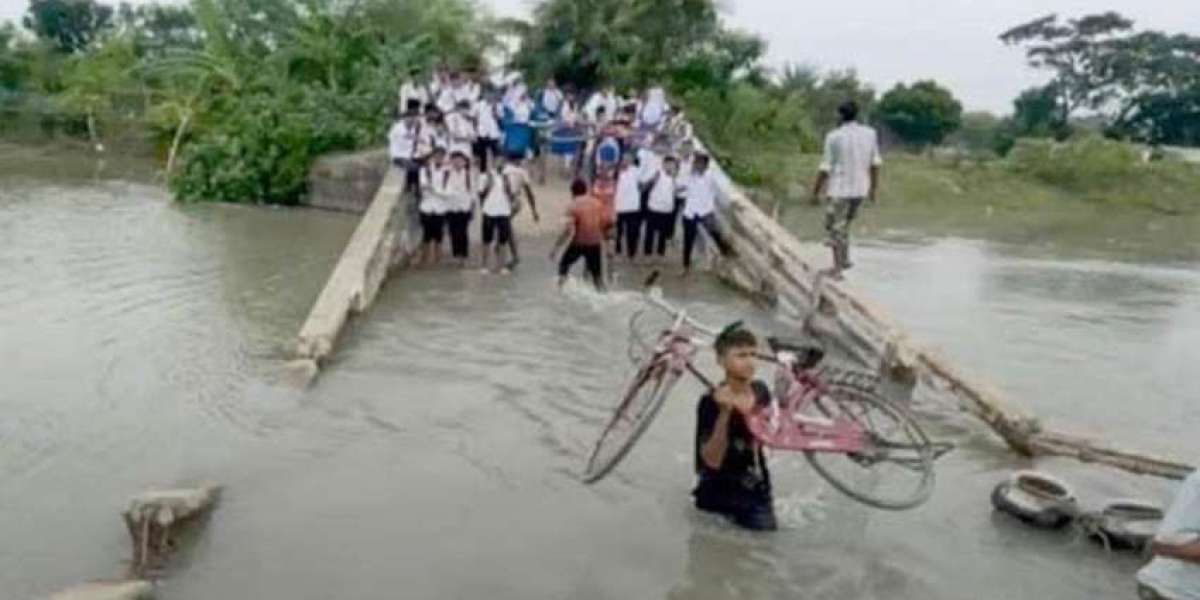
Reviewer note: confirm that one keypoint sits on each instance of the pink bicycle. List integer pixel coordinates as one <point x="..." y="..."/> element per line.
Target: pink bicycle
<point x="862" y="444"/>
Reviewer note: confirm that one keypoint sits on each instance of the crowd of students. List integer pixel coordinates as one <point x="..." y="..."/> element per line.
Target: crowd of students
<point x="463" y="144"/>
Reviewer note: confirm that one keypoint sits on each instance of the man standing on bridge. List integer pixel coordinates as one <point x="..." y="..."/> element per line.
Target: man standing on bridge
<point x="849" y="173"/>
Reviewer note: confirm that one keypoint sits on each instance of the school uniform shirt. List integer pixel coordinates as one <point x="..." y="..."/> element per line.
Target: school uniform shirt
<point x="486" y="126"/>
<point x="466" y="92"/>
<point x="432" y="200"/>
<point x="498" y="203"/>
<point x="654" y="109"/>
<point x="445" y="100"/>
<point x="850" y="152"/>
<point x="411" y="90"/>
<point x="439" y="137"/>
<point x="608" y="101"/>
<point x="662" y="195"/>
<point x="629" y="195"/>
<point x="404" y="140"/>
<point x="461" y="132"/>
<point x="1173" y="578"/>
<point x="552" y="100"/>
<point x="458" y="188"/>
<point x="522" y="111"/>
<point x="701" y="195"/>
<point x="649" y="164"/>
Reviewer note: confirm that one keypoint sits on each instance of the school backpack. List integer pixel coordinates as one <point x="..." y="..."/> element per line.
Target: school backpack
<point x="608" y="152"/>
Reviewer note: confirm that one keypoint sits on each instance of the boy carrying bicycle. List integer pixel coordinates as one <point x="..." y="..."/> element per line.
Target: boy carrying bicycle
<point x="731" y="469"/>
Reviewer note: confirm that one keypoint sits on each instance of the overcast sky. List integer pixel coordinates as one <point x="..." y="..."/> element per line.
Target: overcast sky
<point x="952" y="41"/>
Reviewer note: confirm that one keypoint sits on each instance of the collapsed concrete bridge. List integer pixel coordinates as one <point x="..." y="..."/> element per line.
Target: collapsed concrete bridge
<point x="771" y="265"/>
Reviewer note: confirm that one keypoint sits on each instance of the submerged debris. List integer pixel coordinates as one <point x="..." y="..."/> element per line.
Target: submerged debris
<point x="154" y="517"/>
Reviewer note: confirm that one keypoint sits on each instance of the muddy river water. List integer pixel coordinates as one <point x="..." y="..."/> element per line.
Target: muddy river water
<point x="438" y="455"/>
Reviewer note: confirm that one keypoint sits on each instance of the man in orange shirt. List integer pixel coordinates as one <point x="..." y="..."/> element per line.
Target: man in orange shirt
<point x="587" y="225"/>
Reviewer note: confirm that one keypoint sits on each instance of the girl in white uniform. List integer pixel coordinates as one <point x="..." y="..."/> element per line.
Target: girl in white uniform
<point x="432" y="209"/>
<point x="458" y="186"/>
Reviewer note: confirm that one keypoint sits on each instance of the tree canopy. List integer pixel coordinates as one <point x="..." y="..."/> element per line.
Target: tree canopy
<point x="71" y="25"/>
<point x="1146" y="83"/>
<point x="921" y="114"/>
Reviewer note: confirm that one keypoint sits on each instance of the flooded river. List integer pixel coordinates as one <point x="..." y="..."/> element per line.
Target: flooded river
<point x="438" y="455"/>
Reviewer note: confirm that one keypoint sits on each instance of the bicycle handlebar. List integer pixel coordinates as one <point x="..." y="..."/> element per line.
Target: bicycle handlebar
<point x="654" y="296"/>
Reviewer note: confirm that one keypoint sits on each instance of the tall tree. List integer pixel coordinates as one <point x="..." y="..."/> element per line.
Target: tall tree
<point x="1074" y="51"/>
<point x="71" y="25"/>
<point x="1037" y="113"/>
<point x="922" y="114"/>
<point x="633" y="42"/>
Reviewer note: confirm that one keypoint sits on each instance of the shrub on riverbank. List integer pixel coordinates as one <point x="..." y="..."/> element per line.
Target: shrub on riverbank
<point x="1091" y="172"/>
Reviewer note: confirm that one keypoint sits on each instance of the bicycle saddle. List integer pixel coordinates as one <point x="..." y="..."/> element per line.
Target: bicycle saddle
<point x="807" y="354"/>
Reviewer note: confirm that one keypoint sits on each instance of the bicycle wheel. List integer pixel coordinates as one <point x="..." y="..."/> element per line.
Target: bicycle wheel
<point x="895" y="469"/>
<point x="633" y="416"/>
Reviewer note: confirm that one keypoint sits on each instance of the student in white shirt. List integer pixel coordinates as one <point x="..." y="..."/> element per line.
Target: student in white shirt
<point x="458" y="187"/>
<point x="413" y="91"/>
<point x="501" y="201"/>
<point x="1174" y="572"/>
<point x="699" y="210"/>
<point x="849" y="174"/>
<point x="446" y="98"/>
<point x="432" y="209"/>
<point x="654" y="110"/>
<point x="487" y="131"/>
<point x="606" y="98"/>
<point x="407" y="147"/>
<point x="461" y="128"/>
<point x="683" y="159"/>
<point x="660" y="207"/>
<point x="628" y="206"/>
<point x="551" y="99"/>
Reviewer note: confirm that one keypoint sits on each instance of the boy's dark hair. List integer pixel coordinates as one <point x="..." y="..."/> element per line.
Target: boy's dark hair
<point x="734" y="336"/>
<point x="578" y="187"/>
<point x="848" y="111"/>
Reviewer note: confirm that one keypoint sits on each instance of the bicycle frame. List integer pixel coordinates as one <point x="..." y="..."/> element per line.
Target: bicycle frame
<point x="783" y="424"/>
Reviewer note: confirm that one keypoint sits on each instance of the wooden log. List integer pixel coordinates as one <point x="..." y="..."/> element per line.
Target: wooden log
<point x="1083" y="449"/>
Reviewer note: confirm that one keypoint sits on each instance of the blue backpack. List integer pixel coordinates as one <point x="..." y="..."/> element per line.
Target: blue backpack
<point x="608" y="152"/>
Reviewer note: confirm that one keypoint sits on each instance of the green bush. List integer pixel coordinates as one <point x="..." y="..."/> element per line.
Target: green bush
<point x="1086" y="163"/>
<point x="754" y="133"/>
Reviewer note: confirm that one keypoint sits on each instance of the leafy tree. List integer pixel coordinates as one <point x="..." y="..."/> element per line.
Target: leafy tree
<point x="94" y="80"/>
<point x="1037" y="113"/>
<point x="1158" y="81"/>
<point x="633" y="42"/>
<point x="71" y="25"/>
<point x="835" y="88"/>
<point x="1075" y="52"/>
<point x="158" y="28"/>
<point x="922" y="114"/>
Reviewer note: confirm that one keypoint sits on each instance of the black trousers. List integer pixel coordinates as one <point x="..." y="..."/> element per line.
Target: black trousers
<point x="457" y="222"/>
<point x="691" y="227"/>
<point x="657" y="226"/>
<point x="629" y="231"/>
<point x="675" y="218"/>
<point x="484" y="148"/>
<point x="591" y="257"/>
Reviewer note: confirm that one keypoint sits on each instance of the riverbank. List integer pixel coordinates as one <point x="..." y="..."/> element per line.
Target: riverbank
<point x="1137" y="220"/>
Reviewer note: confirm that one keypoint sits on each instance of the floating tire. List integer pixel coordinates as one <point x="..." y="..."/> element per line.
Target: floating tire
<point x="1127" y="524"/>
<point x="1037" y="499"/>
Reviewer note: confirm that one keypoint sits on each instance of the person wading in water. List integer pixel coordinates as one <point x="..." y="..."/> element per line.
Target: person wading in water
<point x="587" y="225"/>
